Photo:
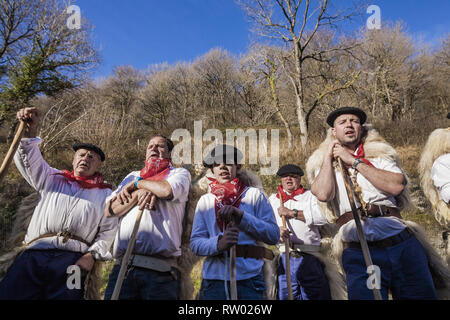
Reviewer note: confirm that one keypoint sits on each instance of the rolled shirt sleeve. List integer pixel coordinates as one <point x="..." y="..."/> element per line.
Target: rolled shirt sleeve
<point x="311" y="210"/>
<point x="180" y="182"/>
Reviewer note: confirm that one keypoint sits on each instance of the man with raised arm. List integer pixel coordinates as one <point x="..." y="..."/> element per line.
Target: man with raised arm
<point x="68" y="227"/>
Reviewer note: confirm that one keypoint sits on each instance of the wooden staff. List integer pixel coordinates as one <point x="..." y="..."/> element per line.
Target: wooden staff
<point x="287" y="255"/>
<point x="130" y="247"/>
<point x="361" y="235"/>
<point x="233" y="282"/>
<point x="12" y="150"/>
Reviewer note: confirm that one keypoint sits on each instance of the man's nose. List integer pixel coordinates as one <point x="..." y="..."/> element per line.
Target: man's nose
<point x="222" y="166"/>
<point x="86" y="157"/>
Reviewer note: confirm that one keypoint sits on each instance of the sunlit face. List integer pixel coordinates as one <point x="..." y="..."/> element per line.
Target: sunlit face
<point x="347" y="129"/>
<point x="291" y="182"/>
<point x="157" y="148"/>
<point x="224" y="173"/>
<point x="85" y="162"/>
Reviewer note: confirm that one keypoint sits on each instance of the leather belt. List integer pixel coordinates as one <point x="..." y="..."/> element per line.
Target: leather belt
<point x="374" y="211"/>
<point x="300" y="248"/>
<point x="255" y="252"/>
<point x="385" y="243"/>
<point x="151" y="262"/>
<point x="65" y="234"/>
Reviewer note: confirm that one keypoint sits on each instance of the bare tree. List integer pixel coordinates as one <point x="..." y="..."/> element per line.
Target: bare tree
<point x="265" y="63"/>
<point x="297" y="23"/>
<point x="253" y="91"/>
<point x="216" y="73"/>
<point x="393" y="78"/>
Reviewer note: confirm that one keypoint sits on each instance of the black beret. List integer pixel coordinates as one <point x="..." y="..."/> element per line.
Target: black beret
<point x="290" y="168"/>
<point x="448" y="115"/>
<point x="89" y="146"/>
<point x="346" y="110"/>
<point x="223" y="153"/>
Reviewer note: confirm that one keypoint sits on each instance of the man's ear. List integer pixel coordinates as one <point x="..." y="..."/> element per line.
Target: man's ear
<point x="333" y="132"/>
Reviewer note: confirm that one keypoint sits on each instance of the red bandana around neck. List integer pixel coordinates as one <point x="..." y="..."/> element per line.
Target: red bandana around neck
<point x="359" y="154"/>
<point x="286" y="197"/>
<point x="226" y="194"/>
<point x="155" y="169"/>
<point x="94" y="181"/>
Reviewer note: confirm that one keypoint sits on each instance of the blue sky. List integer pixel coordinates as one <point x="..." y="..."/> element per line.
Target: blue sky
<point x="146" y="32"/>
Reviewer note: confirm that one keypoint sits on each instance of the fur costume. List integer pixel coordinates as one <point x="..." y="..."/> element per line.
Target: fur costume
<point x="376" y="146"/>
<point x="438" y="144"/>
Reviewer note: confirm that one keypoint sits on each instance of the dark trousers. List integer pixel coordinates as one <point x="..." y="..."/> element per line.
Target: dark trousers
<point x="403" y="269"/>
<point x="41" y="274"/>
<point x="249" y="289"/>
<point x="145" y="284"/>
<point x="308" y="278"/>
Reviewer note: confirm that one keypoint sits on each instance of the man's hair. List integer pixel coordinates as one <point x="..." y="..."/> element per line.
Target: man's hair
<point x="168" y="141"/>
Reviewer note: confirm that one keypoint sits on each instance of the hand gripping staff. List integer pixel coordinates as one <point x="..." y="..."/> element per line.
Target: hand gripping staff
<point x="130" y="247"/>
<point x="12" y="150"/>
<point x="287" y="255"/>
<point x="361" y="235"/>
<point x="232" y="265"/>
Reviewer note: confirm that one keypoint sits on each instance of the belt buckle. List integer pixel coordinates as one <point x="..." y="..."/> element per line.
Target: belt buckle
<point x="66" y="236"/>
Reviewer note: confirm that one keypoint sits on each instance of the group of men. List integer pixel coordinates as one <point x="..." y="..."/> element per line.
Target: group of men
<point x="79" y="217"/>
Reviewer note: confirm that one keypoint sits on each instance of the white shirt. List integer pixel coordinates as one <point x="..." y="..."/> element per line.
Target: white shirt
<point x="160" y="229"/>
<point x="258" y="224"/>
<point x="64" y="205"/>
<point x="374" y="228"/>
<point x="440" y="174"/>
<point x="302" y="232"/>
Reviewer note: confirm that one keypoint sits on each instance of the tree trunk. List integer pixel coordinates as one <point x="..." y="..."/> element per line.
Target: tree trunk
<point x="299" y="100"/>
<point x="276" y="105"/>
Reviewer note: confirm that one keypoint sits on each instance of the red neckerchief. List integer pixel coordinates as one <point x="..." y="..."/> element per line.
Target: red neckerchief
<point x="359" y="154"/>
<point x="287" y="197"/>
<point x="94" y="181"/>
<point x="155" y="169"/>
<point x="226" y="194"/>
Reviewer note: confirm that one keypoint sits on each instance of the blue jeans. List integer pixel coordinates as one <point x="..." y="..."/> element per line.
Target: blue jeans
<point x="404" y="270"/>
<point x="41" y="274"/>
<point x="145" y="284"/>
<point x="308" y="278"/>
<point x="249" y="289"/>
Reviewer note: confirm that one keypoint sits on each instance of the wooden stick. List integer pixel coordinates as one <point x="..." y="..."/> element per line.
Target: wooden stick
<point x="361" y="235"/>
<point x="130" y="247"/>
<point x="233" y="282"/>
<point x="12" y="150"/>
<point x="287" y="255"/>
